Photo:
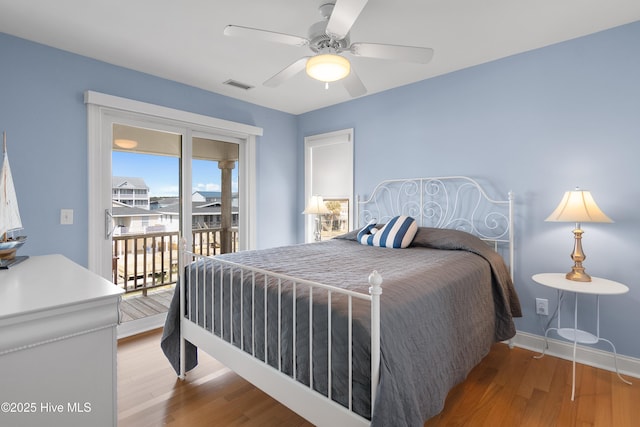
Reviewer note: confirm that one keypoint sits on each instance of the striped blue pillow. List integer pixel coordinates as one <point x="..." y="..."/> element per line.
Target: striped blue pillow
<point x="397" y="233"/>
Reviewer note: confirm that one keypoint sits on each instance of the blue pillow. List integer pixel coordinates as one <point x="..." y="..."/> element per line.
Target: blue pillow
<point x="397" y="233"/>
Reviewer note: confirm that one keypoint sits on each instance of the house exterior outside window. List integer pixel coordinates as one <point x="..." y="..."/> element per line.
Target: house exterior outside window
<point x="130" y="191"/>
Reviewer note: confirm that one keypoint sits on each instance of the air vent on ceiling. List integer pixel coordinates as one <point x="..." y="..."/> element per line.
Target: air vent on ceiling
<point x="237" y="84"/>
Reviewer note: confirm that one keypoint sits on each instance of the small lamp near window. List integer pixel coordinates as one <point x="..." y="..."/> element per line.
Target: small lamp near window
<point x="316" y="207"/>
<point x="578" y="206"/>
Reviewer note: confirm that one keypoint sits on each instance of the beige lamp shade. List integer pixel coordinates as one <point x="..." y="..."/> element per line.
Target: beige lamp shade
<point x="316" y="206"/>
<point x="328" y="67"/>
<point x="578" y="206"/>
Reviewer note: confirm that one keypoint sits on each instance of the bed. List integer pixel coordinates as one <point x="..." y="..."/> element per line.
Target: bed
<point x="346" y="333"/>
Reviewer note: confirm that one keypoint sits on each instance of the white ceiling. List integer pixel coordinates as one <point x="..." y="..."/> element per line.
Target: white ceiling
<point x="182" y="40"/>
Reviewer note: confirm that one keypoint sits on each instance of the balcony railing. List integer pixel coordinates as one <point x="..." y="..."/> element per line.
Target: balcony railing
<point x="146" y="261"/>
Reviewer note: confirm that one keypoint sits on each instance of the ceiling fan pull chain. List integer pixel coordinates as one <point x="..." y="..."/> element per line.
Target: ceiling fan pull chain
<point x="326" y="85"/>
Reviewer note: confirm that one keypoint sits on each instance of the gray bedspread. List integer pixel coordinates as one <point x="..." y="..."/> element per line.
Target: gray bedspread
<point x="446" y="299"/>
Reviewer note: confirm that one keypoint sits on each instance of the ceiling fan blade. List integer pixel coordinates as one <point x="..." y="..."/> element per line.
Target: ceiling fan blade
<point x="344" y="15"/>
<point x="354" y="85"/>
<point x="421" y="55"/>
<point x="287" y="73"/>
<point x="270" y="36"/>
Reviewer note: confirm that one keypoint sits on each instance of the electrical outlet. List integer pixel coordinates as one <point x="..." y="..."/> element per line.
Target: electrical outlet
<point x="542" y="306"/>
<point x="66" y="216"/>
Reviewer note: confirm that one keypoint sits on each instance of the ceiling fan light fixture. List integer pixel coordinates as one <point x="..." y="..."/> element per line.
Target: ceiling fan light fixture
<point x="328" y="67"/>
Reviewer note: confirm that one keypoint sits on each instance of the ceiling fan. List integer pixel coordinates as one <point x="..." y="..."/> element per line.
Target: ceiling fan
<point x="328" y="39"/>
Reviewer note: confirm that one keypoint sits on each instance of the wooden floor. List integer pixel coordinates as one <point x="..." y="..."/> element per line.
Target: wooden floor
<point x="136" y="306"/>
<point x="509" y="388"/>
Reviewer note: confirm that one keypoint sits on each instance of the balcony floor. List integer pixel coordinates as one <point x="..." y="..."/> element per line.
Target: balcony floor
<point x="136" y="306"/>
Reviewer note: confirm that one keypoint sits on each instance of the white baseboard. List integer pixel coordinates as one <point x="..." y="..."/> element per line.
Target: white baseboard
<point x="586" y="355"/>
<point x="138" y="326"/>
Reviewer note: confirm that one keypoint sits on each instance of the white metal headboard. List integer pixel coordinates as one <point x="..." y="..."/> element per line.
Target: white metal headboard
<point x="456" y="202"/>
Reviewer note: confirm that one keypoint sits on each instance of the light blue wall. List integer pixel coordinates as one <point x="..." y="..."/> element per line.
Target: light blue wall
<point x="538" y="124"/>
<point x="42" y="111"/>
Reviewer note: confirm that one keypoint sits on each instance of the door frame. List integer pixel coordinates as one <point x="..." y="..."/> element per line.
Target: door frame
<point x="101" y="111"/>
<point x="342" y="138"/>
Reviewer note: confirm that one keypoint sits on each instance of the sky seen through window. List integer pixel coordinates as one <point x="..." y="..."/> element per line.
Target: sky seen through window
<point x="161" y="173"/>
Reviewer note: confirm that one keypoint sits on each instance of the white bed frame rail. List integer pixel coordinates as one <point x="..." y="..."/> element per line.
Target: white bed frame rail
<point x="301" y="398"/>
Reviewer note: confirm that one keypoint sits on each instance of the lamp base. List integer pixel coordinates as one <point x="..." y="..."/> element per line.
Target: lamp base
<point x="318" y="232"/>
<point x="577" y="274"/>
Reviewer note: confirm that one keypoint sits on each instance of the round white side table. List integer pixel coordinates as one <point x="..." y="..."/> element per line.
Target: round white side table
<point x="597" y="287"/>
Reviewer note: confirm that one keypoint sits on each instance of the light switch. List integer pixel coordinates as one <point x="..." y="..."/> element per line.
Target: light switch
<point x="66" y="216"/>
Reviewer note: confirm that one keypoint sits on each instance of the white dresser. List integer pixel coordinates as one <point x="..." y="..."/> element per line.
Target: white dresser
<point x="57" y="345"/>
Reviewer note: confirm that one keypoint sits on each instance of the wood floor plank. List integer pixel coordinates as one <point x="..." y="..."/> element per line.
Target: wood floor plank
<point x="622" y="398"/>
<point x="585" y="394"/>
<point x="509" y="388"/>
<point x="557" y="387"/>
<point x="603" y="397"/>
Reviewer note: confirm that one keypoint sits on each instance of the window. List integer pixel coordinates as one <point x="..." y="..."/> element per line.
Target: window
<point x="329" y="173"/>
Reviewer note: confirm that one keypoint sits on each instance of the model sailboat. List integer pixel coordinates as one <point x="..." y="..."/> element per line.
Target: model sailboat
<point x="9" y="214"/>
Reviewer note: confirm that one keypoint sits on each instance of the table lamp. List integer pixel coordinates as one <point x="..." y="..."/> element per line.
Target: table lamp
<point x="578" y="206"/>
<point x="316" y="207"/>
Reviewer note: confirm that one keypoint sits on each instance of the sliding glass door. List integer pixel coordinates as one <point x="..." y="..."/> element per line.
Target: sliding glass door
<point x="155" y="181"/>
